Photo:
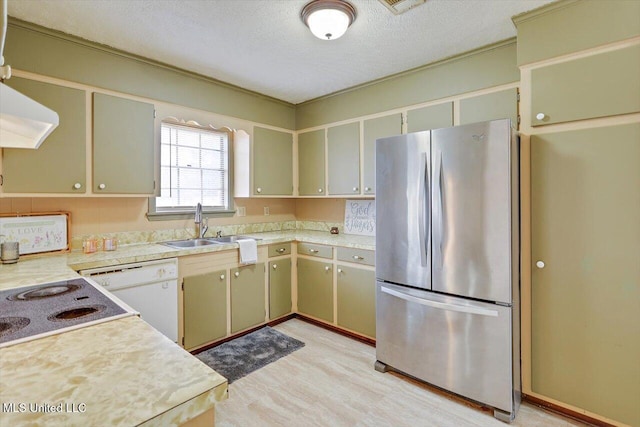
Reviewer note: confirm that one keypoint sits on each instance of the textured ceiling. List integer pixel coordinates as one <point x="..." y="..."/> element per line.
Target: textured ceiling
<point x="263" y="46"/>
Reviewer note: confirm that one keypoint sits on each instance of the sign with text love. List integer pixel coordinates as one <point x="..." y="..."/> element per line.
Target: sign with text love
<point x="36" y="233"/>
<point x="360" y="217"/>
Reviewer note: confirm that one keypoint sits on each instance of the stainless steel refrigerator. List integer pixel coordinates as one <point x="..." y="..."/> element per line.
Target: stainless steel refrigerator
<point x="447" y="260"/>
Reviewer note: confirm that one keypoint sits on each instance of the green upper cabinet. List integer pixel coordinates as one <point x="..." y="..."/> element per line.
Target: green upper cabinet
<point x="585" y="246"/>
<point x="343" y="147"/>
<point x="59" y="164"/>
<point x="373" y="129"/>
<point x="311" y="163"/>
<point x="247" y="297"/>
<point x="432" y="117"/>
<point x="272" y="162"/>
<point x="123" y="146"/>
<point x="601" y="85"/>
<point x="492" y="106"/>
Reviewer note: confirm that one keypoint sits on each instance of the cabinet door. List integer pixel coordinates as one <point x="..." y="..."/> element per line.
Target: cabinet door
<point x="315" y="289"/>
<point x="601" y="85"/>
<point x="311" y="163"/>
<point x="279" y="288"/>
<point x="373" y="129"/>
<point x="205" y="308"/>
<point x="343" y="147"/>
<point x="585" y="298"/>
<point x="492" y="106"/>
<point x="123" y="154"/>
<point x="59" y="164"/>
<point x="272" y="162"/>
<point x="433" y="117"/>
<point x="357" y="300"/>
<point x="247" y="297"/>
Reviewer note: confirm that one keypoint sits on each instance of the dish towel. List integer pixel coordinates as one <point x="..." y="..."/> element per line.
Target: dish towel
<point x="248" y="251"/>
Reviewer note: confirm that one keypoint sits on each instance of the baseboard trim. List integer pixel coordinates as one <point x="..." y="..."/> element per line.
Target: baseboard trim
<point x="365" y="340"/>
<point x="552" y="407"/>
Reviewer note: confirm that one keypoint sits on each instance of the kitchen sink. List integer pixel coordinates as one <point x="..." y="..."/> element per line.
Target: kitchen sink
<point x="190" y="243"/>
<point x="196" y="243"/>
<point x="230" y="239"/>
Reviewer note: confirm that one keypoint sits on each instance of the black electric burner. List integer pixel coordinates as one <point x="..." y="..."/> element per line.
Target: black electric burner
<point x="53" y="307"/>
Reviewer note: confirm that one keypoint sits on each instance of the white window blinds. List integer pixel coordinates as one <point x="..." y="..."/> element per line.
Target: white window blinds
<point x="194" y="167"/>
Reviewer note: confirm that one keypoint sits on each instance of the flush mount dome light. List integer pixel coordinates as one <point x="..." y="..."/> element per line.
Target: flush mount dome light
<point x="328" y="19"/>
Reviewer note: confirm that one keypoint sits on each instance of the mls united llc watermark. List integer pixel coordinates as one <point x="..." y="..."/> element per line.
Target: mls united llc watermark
<point x="65" y="407"/>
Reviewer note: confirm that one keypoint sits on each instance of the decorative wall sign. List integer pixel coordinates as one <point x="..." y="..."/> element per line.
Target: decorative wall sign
<point x="360" y="217"/>
<point x="36" y="233"/>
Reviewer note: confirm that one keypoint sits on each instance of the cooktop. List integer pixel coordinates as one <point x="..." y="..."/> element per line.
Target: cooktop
<point x="35" y="311"/>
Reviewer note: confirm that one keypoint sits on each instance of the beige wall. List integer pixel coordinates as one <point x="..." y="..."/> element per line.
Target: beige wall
<point x="93" y="215"/>
<point x="329" y="210"/>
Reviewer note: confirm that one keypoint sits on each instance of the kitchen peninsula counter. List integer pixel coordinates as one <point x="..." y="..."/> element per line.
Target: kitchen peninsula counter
<point x="120" y="372"/>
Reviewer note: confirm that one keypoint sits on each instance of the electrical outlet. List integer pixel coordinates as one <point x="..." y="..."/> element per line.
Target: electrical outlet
<point x="266" y="210"/>
<point x="242" y="211"/>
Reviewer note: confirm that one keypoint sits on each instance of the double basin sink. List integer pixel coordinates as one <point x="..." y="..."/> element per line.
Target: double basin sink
<point x="196" y="243"/>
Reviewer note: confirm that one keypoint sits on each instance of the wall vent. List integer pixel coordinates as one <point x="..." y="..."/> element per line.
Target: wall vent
<point x="401" y="6"/>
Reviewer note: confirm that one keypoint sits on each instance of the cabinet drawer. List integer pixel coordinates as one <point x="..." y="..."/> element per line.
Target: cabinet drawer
<point x="359" y="256"/>
<point x="279" y="249"/>
<point x="596" y="86"/>
<point x="315" y="250"/>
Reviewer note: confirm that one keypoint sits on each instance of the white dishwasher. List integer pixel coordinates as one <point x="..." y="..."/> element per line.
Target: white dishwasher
<point x="149" y="287"/>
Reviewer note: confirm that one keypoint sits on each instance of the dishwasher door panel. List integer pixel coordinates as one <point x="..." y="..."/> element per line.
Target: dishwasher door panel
<point x="460" y="345"/>
<point x="157" y="304"/>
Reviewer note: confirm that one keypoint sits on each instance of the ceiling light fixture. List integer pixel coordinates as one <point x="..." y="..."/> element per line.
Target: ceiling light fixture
<point x="328" y="19"/>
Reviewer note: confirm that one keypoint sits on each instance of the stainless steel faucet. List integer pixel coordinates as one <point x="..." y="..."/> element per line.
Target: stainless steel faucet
<point x="202" y="224"/>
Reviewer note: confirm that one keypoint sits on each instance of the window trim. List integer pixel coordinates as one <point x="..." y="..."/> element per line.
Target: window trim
<point x="157" y="214"/>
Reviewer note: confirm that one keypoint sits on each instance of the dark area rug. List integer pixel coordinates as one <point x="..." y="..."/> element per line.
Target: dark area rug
<point x="241" y="356"/>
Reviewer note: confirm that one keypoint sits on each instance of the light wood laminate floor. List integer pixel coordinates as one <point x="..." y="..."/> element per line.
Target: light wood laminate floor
<point x="331" y="382"/>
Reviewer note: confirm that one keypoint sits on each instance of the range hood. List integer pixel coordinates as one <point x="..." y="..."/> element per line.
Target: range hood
<point x="24" y="123"/>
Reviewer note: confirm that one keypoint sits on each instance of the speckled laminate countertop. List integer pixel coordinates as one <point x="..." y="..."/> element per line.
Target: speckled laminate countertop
<point x="120" y="372"/>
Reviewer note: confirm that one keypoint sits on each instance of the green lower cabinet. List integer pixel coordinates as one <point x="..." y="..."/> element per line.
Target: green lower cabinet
<point x="315" y="289"/>
<point x="247" y="297"/>
<point x="279" y="288"/>
<point x="357" y="300"/>
<point x="205" y="308"/>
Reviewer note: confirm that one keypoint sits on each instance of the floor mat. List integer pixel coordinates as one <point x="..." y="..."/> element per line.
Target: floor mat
<point x="241" y="356"/>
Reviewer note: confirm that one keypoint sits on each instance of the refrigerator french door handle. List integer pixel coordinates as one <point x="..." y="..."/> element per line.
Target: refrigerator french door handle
<point x="423" y="220"/>
<point x="440" y="305"/>
<point x="441" y="207"/>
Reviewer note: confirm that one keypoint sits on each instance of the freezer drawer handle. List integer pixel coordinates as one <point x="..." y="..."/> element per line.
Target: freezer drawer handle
<point x="440" y="305"/>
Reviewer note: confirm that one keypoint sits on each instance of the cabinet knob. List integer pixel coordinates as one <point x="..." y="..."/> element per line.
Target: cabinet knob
<point x="339" y="270"/>
<point x="355" y="189"/>
<point x="281" y="250"/>
<point x="237" y="274"/>
<point x="222" y="277"/>
<point x="540" y="264"/>
<point x="541" y="116"/>
<point x="319" y="190"/>
<point x="259" y="190"/>
<point x="77" y="186"/>
<point x="367" y="189"/>
<point x="327" y="268"/>
<point x="358" y="257"/>
<point x="313" y="251"/>
<point x="274" y="266"/>
<point x="102" y="186"/>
